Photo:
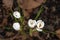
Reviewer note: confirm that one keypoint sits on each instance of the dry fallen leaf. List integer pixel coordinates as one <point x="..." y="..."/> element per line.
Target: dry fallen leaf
<point x="35" y="33"/>
<point x="8" y="3"/>
<point x="58" y="33"/>
<point x="29" y="4"/>
<point x="9" y="34"/>
<point x="4" y="22"/>
<point x="27" y="13"/>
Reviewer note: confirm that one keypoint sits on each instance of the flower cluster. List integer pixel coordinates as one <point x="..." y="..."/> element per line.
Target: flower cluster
<point x="38" y="25"/>
<point x="16" y="25"/>
<point x="33" y="23"/>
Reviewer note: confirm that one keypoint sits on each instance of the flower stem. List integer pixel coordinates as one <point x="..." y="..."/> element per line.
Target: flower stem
<point x="39" y="12"/>
<point x="18" y="7"/>
<point x="45" y="31"/>
<point x="21" y="20"/>
<point x="30" y="32"/>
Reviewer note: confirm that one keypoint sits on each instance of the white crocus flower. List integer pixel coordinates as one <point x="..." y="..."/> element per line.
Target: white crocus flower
<point x="40" y="25"/>
<point x="16" y="26"/>
<point x="16" y="14"/>
<point x="31" y="23"/>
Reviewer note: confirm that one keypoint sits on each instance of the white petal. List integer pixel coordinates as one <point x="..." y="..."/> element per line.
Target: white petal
<point x="39" y="21"/>
<point x="16" y="26"/>
<point x="40" y="24"/>
<point x="39" y="29"/>
<point x="31" y="23"/>
<point x="16" y="14"/>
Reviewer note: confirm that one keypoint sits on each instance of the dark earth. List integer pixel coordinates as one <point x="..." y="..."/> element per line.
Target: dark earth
<point x="50" y="15"/>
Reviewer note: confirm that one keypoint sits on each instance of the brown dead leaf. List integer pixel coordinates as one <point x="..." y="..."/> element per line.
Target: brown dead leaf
<point x="35" y="34"/>
<point x="8" y="34"/>
<point x="4" y="21"/>
<point x="8" y="3"/>
<point x="27" y="13"/>
<point x="58" y="33"/>
<point x="29" y="4"/>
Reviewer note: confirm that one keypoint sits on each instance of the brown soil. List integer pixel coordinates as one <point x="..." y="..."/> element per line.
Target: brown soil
<point x="50" y="15"/>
